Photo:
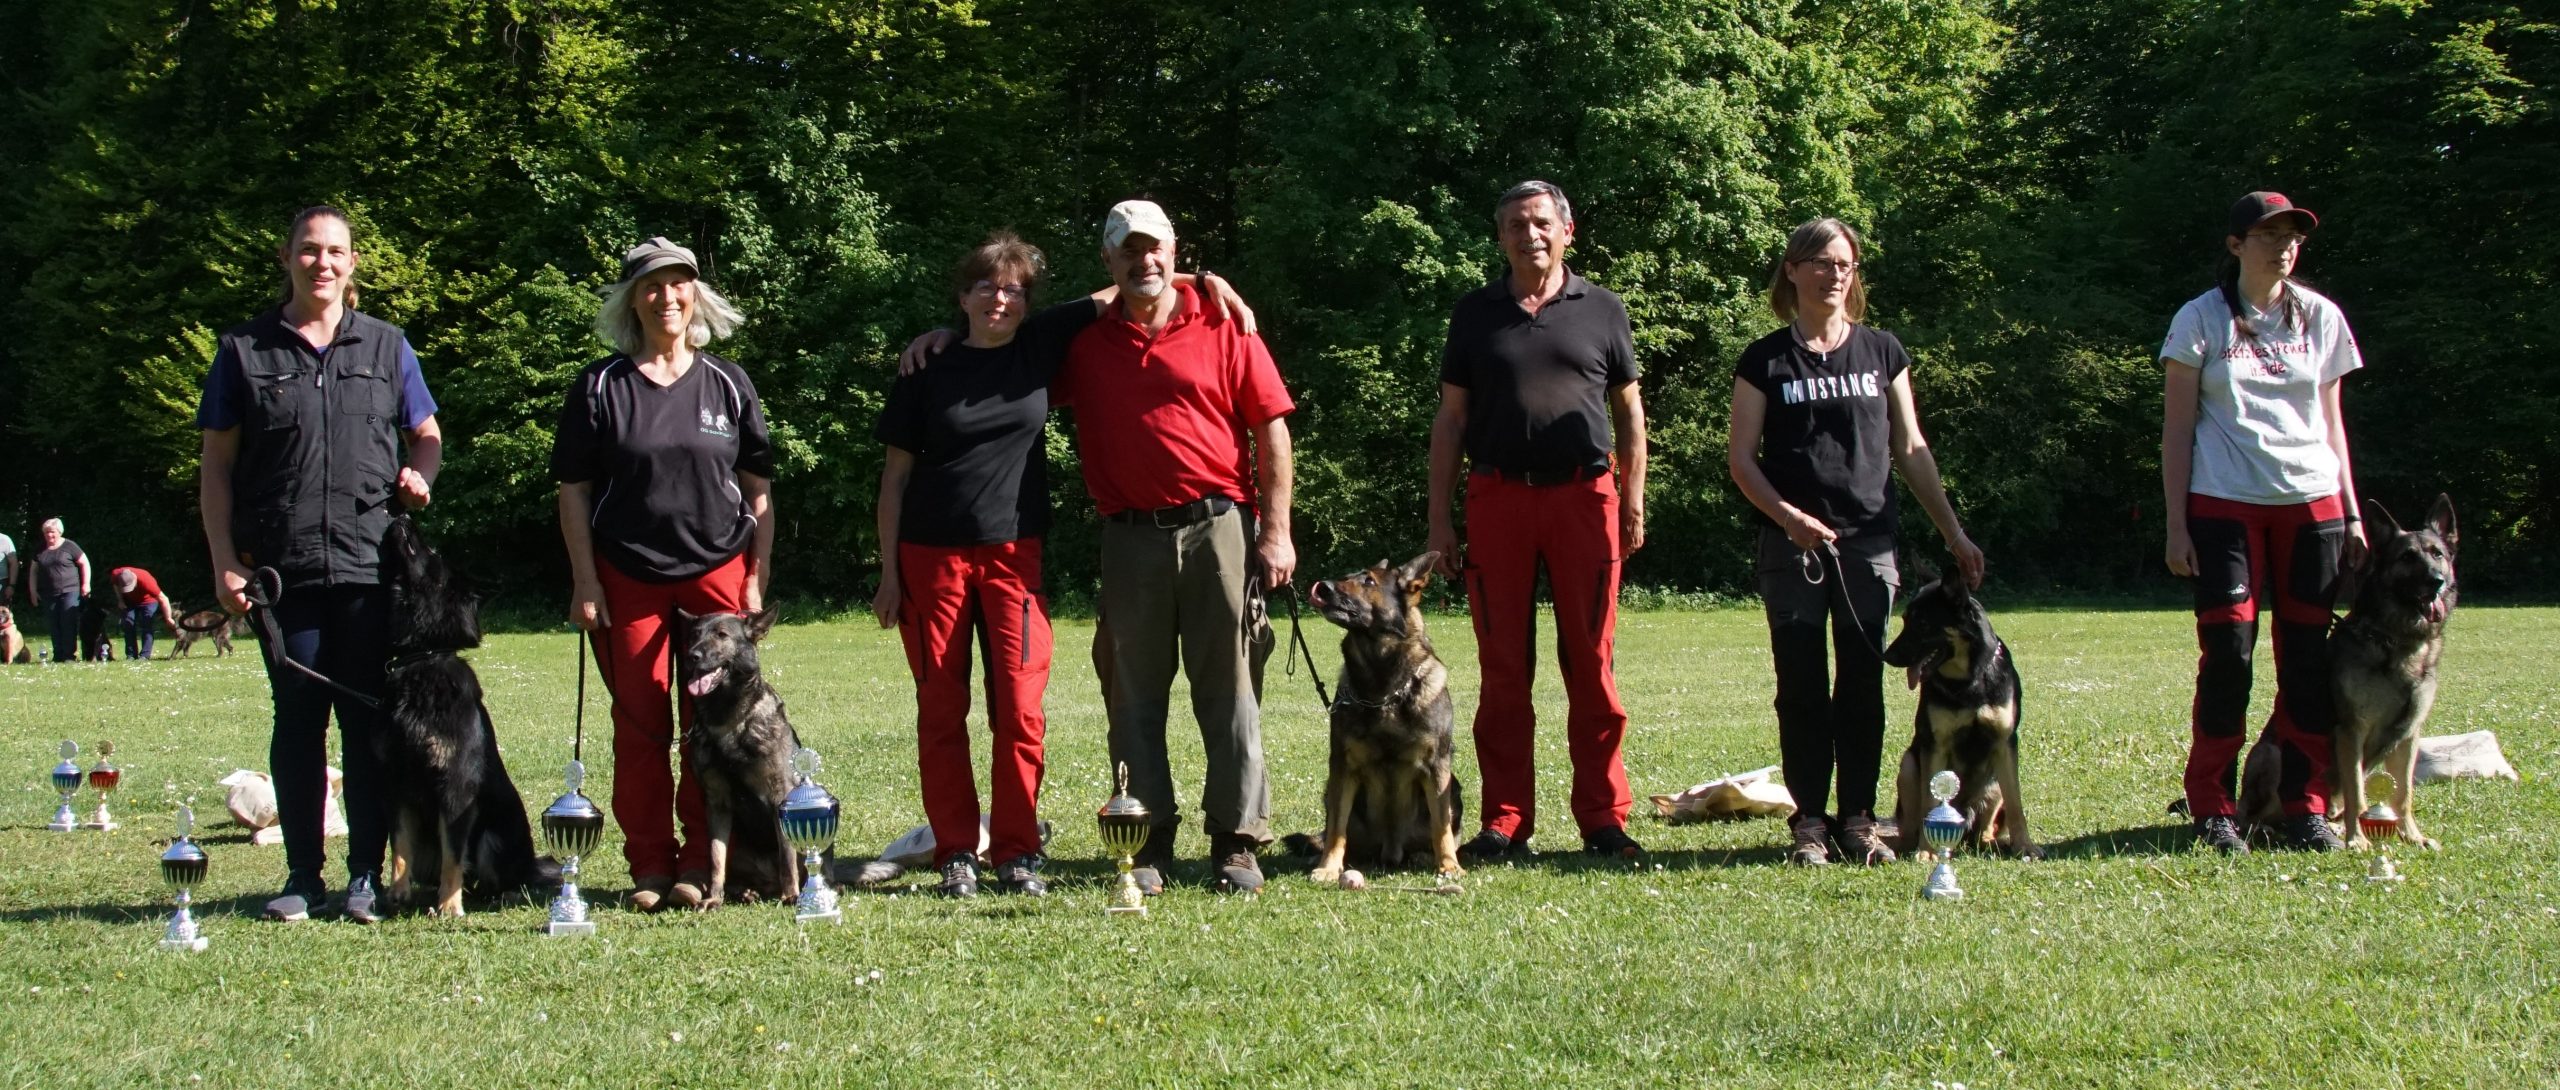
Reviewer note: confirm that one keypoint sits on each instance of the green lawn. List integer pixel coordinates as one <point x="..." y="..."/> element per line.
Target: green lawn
<point x="2125" y="960"/>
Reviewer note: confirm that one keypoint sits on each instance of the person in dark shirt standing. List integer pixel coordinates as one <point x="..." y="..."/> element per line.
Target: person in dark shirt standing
<point x="666" y="476"/>
<point x="307" y="411"/>
<point x="1822" y="414"/>
<point x="1537" y="392"/>
<point x="57" y="579"/>
<point x="145" y="610"/>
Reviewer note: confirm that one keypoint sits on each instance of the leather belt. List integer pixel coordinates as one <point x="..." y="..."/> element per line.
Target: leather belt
<point x="1176" y="517"/>
<point x="1540" y="477"/>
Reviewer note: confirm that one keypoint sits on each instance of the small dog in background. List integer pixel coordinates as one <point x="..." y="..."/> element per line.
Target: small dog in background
<point x="742" y="745"/>
<point x="455" y="813"/>
<point x="1967" y="720"/>
<point x="208" y="622"/>
<point x="95" y="619"/>
<point x="1388" y="791"/>
<point x="13" y="643"/>
<point x="2382" y="672"/>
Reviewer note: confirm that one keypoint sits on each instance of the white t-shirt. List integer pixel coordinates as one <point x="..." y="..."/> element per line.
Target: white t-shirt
<point x="2261" y="434"/>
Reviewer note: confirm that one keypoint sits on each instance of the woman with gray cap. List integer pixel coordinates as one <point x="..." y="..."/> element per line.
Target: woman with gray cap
<point x="2261" y="505"/>
<point x="665" y="472"/>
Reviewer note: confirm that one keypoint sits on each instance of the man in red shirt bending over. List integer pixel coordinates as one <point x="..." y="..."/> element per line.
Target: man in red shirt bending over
<point x="1181" y="423"/>
<point x="145" y="610"/>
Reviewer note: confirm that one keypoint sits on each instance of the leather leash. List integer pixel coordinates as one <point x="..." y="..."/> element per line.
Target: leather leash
<point x="265" y="589"/>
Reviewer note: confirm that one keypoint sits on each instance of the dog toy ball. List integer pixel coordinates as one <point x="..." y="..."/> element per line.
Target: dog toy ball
<point x="1354" y="880"/>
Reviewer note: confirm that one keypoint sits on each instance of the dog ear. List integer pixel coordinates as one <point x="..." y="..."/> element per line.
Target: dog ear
<point x="1924" y="572"/>
<point x="761" y="622"/>
<point x="1417" y="572"/>
<point x="2378" y="515"/>
<point x="2440" y="520"/>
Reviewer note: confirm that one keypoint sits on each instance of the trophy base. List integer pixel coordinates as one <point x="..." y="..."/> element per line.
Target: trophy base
<point x="58" y="826"/>
<point x="195" y="945"/>
<point x="1126" y="910"/>
<point x="2382" y="871"/>
<point x="830" y="916"/>
<point x="562" y="929"/>
<point x="1942" y="882"/>
<point x="1948" y="894"/>
<point x="101" y="826"/>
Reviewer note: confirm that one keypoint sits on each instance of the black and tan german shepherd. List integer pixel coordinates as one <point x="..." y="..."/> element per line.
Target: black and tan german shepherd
<point x="1967" y="720"/>
<point x="2382" y="673"/>
<point x="742" y="745"/>
<point x="455" y="815"/>
<point x="1389" y="793"/>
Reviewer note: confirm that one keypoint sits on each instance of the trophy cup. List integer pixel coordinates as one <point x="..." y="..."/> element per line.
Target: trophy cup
<point x="1125" y="824"/>
<point x="183" y="867"/>
<point x="103" y="778"/>
<point x="2379" y="823"/>
<point x="1944" y="829"/>
<point x="809" y="817"/>
<point x="571" y="828"/>
<point x="66" y="779"/>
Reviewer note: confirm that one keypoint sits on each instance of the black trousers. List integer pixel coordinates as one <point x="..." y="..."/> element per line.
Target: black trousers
<point x="344" y="633"/>
<point x="1827" y="722"/>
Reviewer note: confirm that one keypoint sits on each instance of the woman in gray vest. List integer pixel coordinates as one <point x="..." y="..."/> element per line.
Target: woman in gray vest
<point x="305" y="414"/>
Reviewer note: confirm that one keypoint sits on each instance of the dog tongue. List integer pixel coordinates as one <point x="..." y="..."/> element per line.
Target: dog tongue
<point x="1911" y="675"/>
<point x="705" y="683"/>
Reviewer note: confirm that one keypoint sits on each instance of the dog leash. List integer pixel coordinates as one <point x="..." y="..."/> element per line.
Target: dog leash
<point x="1813" y="564"/>
<point x="1298" y="646"/>
<point x="265" y="589"/>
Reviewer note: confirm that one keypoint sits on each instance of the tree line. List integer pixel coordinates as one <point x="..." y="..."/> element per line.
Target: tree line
<point x="2041" y="183"/>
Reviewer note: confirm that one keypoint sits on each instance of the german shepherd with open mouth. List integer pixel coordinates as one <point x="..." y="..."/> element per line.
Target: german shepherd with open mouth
<point x="742" y="746"/>
<point x="2382" y="673"/>
<point x="1388" y="791"/>
<point x="1967" y="721"/>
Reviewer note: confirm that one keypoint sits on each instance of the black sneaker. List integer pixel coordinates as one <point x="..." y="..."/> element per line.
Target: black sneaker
<point x="959" y="876"/>
<point x="2311" y="833"/>
<point x="1492" y="847"/>
<point x="2222" y="834"/>
<point x="1238" y="869"/>
<point x="300" y="896"/>
<point x="357" y="903"/>
<point x="1021" y="874"/>
<point x="1611" y="842"/>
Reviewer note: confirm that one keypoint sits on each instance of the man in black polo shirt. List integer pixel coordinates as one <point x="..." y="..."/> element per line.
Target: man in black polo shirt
<point x="1534" y="362"/>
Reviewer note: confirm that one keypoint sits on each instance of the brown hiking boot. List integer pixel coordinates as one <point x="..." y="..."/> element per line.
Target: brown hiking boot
<point x="1812" y="841"/>
<point x="1861" y="843"/>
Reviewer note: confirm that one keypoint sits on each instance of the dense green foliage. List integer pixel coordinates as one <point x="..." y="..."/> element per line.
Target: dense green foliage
<point x="2042" y="181"/>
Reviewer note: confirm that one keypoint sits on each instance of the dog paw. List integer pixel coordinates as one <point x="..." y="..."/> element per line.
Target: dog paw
<point x="708" y="903"/>
<point x="2357" y="842"/>
<point x="2420" y="839"/>
<point x="1325" y="876"/>
<point x="2029" y="852"/>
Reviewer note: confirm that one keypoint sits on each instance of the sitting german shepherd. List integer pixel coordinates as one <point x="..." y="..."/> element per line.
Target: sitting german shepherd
<point x="1967" y="720"/>
<point x="2382" y="673"/>
<point x="455" y="814"/>
<point x="742" y="745"/>
<point x="1388" y="792"/>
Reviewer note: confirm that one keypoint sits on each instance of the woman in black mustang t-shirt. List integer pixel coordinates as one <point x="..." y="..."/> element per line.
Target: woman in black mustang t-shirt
<point x="1822" y="411"/>
<point x="666" y="477"/>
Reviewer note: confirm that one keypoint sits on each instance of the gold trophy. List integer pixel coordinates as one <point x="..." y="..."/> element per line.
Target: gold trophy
<point x="2379" y="823"/>
<point x="103" y="778"/>
<point x="1124" y="823"/>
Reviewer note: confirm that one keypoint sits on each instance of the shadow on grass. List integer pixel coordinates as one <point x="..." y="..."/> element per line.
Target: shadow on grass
<point x="120" y="912"/>
<point x="2131" y="840"/>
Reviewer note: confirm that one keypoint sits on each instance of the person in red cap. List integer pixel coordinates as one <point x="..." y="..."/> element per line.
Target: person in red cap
<point x="2260" y="493"/>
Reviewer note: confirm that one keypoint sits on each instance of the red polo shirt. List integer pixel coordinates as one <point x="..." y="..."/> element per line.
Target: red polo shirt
<point x="145" y="588"/>
<point x="1162" y="419"/>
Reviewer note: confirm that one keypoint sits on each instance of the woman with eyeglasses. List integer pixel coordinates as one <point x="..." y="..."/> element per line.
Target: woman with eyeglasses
<point x="1822" y="415"/>
<point x="2261" y="503"/>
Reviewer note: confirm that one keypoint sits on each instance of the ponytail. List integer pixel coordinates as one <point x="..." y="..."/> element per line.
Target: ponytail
<point x="2229" y="281"/>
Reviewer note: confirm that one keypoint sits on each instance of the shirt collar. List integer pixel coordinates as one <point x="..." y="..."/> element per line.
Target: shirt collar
<point x="1574" y="285"/>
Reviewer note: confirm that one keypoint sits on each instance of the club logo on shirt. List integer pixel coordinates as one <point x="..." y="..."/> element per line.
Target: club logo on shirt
<point x="2267" y="356"/>
<point x="1827" y="387"/>
<point x="717" y="424"/>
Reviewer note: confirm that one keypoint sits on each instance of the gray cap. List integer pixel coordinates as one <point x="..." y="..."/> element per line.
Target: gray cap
<point x="656" y="254"/>
<point x="1135" y="218"/>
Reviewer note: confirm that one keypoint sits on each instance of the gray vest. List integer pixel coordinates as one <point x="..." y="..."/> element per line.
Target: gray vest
<point x="311" y="493"/>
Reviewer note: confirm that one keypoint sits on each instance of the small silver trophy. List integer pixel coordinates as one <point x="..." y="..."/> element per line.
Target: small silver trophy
<point x="103" y="778"/>
<point x="809" y="816"/>
<point x="1124" y="823"/>
<point x="571" y="827"/>
<point x="66" y="779"/>
<point x="1943" y="828"/>
<point x="2380" y="823"/>
<point x="183" y="867"/>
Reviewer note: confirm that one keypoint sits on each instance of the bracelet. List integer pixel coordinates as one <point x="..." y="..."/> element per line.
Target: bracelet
<point x="2352" y="520"/>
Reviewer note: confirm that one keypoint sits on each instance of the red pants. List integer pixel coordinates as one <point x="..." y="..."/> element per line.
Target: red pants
<point x="2249" y="557"/>
<point x="995" y="589"/>
<point x="1574" y="529"/>
<point x="635" y="655"/>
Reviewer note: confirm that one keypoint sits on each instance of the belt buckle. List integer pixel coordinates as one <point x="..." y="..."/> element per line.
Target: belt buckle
<point x="1157" y="517"/>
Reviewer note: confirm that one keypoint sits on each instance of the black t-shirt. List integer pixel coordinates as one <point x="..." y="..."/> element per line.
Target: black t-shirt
<point x="57" y="570"/>
<point x="973" y="420"/>
<point x="1537" y="386"/>
<point x="1826" y="442"/>
<point x="664" y="462"/>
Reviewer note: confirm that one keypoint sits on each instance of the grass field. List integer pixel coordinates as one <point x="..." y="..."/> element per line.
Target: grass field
<point x="2126" y="960"/>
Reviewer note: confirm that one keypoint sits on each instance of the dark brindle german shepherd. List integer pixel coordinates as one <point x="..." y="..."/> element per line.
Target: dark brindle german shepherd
<point x="1967" y="720"/>
<point x="454" y="813"/>
<point x="208" y="622"/>
<point x="742" y="746"/>
<point x="2382" y="673"/>
<point x="1388" y="792"/>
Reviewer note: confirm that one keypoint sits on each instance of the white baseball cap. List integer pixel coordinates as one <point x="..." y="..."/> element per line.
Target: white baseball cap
<point x="1135" y="218"/>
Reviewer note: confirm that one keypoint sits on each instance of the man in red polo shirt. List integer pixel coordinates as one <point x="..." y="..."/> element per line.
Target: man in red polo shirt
<point x="145" y="610"/>
<point x="1538" y="372"/>
<point x="1183" y="436"/>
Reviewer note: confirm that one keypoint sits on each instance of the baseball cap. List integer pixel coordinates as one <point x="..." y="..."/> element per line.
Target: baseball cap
<point x="656" y="254"/>
<point x="1135" y="218"/>
<point x="126" y="581"/>
<point x="2264" y="205"/>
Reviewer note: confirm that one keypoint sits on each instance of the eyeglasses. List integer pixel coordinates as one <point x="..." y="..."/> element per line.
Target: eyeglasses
<point x="1827" y="265"/>
<point x="2282" y="240"/>
<point x="989" y="289"/>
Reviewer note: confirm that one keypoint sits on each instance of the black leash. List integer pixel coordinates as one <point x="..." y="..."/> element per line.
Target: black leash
<point x="266" y="587"/>
<point x="1826" y="557"/>
<point x="1298" y="646"/>
<point x="578" y="739"/>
